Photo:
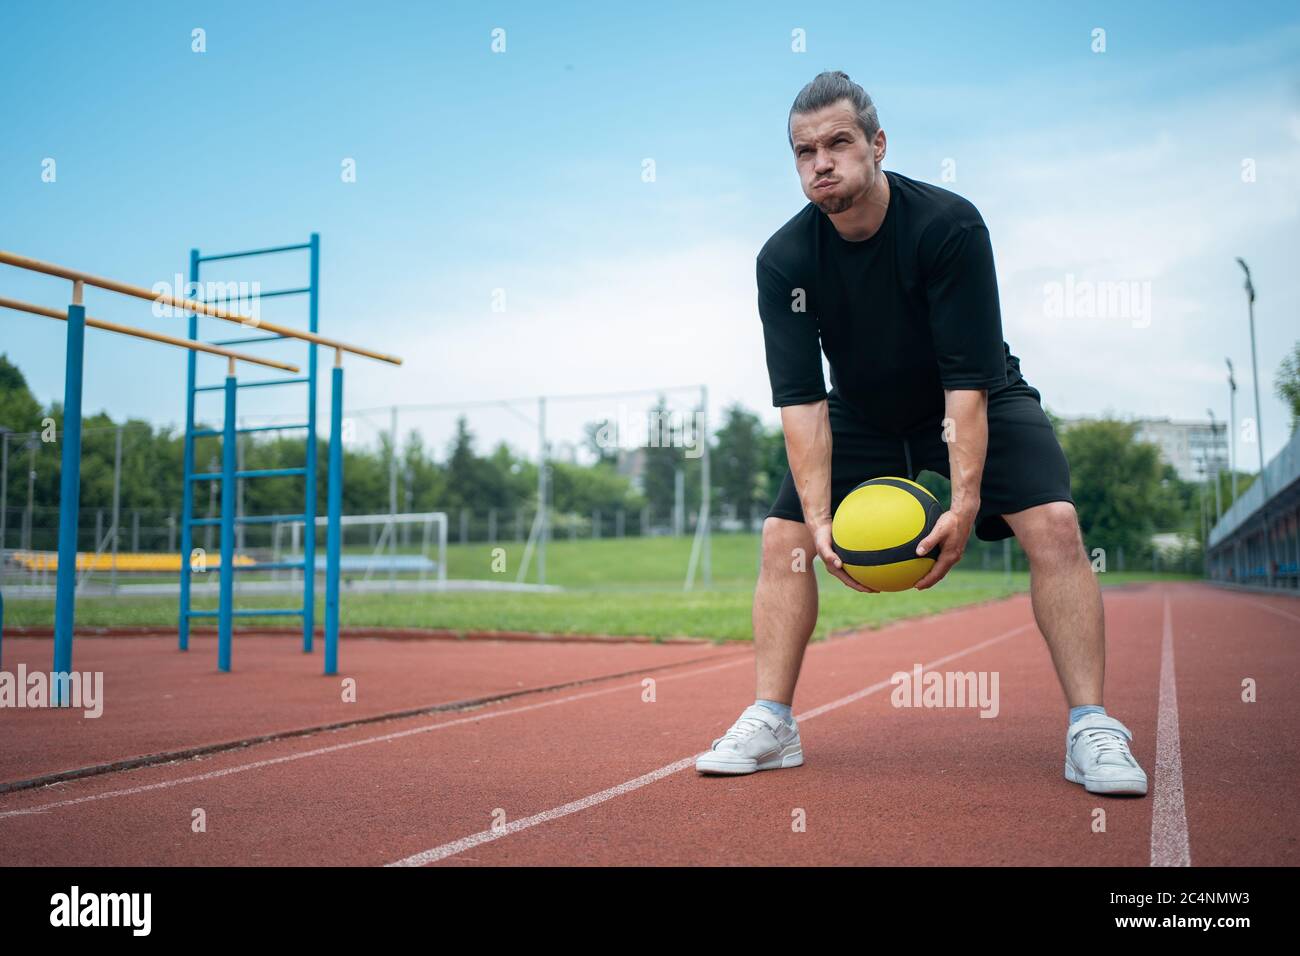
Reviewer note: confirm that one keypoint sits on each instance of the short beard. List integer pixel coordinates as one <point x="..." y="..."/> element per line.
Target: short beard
<point x="836" y="204"/>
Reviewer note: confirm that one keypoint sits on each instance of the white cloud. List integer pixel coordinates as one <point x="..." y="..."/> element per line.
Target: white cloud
<point x="1117" y="192"/>
<point x="1135" y="203"/>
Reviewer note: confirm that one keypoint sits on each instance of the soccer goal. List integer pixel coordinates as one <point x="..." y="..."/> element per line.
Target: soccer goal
<point x="394" y="551"/>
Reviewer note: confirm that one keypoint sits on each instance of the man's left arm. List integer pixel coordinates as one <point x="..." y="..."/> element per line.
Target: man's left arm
<point x="966" y="323"/>
<point x="966" y="431"/>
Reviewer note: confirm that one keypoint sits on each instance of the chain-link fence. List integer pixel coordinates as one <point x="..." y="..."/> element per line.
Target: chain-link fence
<point x="621" y="466"/>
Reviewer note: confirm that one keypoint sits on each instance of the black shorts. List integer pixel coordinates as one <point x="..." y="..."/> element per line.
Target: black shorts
<point x="1024" y="465"/>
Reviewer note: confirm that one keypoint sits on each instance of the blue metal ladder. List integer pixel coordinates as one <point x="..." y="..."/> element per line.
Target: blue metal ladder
<point x="229" y="475"/>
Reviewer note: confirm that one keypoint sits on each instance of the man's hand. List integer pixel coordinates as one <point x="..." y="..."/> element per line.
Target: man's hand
<point x="951" y="531"/>
<point x="822" y="538"/>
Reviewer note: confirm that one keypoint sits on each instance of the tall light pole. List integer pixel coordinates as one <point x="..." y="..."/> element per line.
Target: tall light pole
<point x="1232" y="428"/>
<point x="1259" y="423"/>
<point x="1214" y="462"/>
<point x="1200" y="487"/>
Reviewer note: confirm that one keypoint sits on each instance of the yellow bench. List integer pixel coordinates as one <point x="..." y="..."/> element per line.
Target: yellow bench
<point x="49" y="561"/>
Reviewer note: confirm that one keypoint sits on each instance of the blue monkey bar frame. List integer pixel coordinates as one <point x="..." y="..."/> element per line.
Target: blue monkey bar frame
<point x="334" y="473"/>
<point x="77" y="321"/>
<point x="70" y="476"/>
<point x="307" y="609"/>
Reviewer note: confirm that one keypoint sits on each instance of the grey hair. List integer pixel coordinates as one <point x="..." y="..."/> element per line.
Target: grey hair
<point x="830" y="87"/>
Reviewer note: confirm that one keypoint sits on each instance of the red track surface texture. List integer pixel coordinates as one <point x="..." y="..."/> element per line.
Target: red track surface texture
<point x="576" y="754"/>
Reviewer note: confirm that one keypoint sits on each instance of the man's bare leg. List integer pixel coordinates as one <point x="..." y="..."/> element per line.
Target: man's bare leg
<point x="1067" y="606"/>
<point x="785" y="607"/>
<point x="1066" y="598"/>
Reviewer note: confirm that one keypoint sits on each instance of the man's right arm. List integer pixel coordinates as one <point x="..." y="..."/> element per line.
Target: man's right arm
<point x="794" y="362"/>
<point x="808" y="448"/>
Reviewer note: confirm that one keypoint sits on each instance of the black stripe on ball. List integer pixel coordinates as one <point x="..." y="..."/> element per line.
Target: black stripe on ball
<point x="900" y="552"/>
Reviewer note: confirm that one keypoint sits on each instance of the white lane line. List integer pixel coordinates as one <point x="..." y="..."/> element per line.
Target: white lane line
<point x="446" y="850"/>
<point x="881" y="685"/>
<point x="1169" y="844"/>
<point x="1276" y="610"/>
<point x="334" y="748"/>
<point x="524" y="823"/>
<point x="320" y="751"/>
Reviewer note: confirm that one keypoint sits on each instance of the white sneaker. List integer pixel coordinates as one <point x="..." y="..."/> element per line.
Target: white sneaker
<point x="1097" y="756"/>
<point x="758" y="740"/>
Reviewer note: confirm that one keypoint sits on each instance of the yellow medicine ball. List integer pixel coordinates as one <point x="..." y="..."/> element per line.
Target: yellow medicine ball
<point x="876" y="529"/>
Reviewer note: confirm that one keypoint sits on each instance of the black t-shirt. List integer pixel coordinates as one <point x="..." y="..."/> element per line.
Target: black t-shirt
<point x="901" y="316"/>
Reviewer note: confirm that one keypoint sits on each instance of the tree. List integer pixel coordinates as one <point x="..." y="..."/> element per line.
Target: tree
<point x="601" y="439"/>
<point x="1288" y="383"/>
<point x="1120" y="486"/>
<point x="663" y="458"/>
<point x="738" y="465"/>
<point x="507" y="479"/>
<point x="20" y="412"/>
<point x="478" y="483"/>
<point x="462" y="468"/>
<point x="420" y="482"/>
<point x="581" y="490"/>
<point x="19" y="409"/>
<point x="775" y="464"/>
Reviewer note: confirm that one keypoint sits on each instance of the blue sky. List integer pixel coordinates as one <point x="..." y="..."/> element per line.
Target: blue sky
<point x="522" y="171"/>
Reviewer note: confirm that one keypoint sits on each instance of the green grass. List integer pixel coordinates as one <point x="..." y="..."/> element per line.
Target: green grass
<point x="628" y="586"/>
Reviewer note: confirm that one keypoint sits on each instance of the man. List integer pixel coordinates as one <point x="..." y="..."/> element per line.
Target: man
<point x="894" y="280"/>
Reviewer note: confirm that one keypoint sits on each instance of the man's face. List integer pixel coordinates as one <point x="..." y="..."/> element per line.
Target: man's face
<point x="837" y="166"/>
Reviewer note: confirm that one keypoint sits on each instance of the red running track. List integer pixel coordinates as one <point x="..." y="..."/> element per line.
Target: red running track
<point x="602" y="772"/>
<point x="159" y="701"/>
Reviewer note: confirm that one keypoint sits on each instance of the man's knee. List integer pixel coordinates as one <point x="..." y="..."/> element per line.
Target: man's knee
<point x="1049" y="532"/>
<point x="786" y="544"/>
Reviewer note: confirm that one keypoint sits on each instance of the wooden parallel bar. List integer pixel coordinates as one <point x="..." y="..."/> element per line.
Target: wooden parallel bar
<point x="146" y="334"/>
<point x="189" y="305"/>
